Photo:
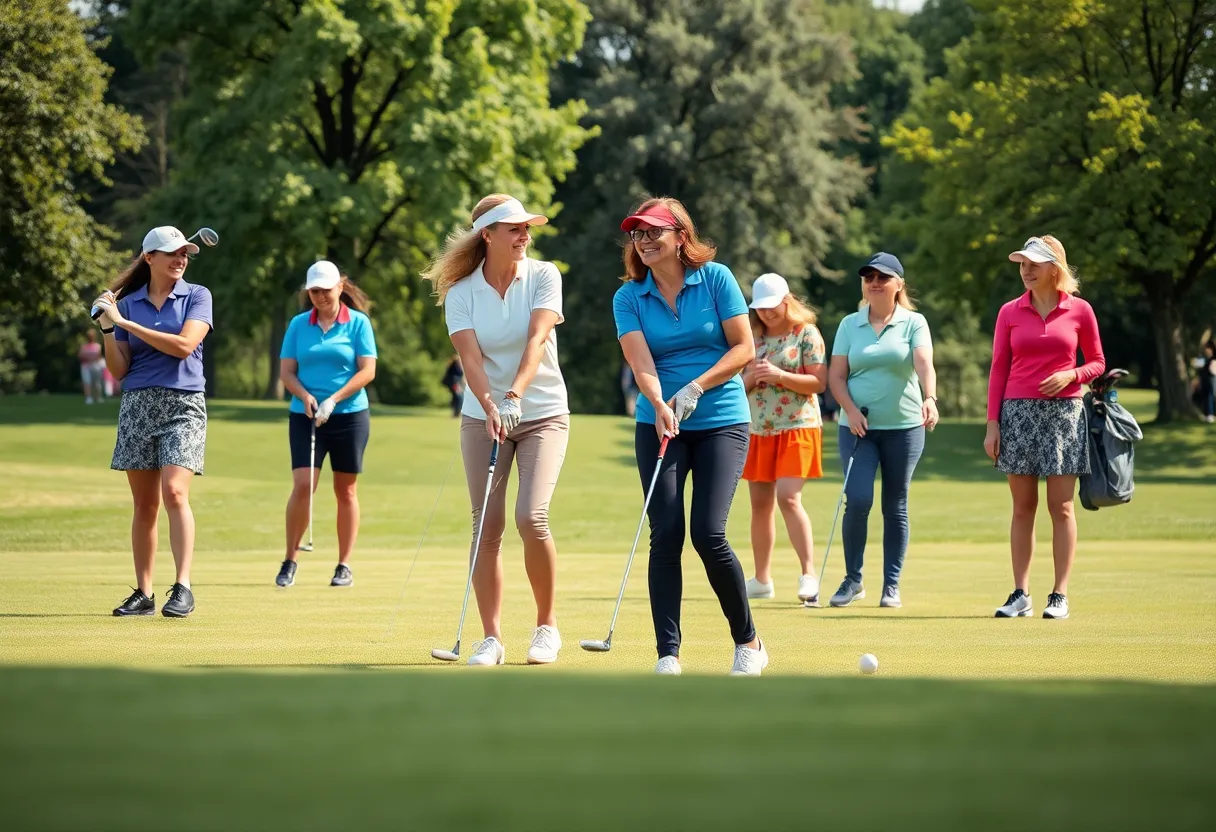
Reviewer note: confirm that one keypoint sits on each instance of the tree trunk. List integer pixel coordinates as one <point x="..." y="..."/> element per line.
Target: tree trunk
<point x="274" y="384"/>
<point x="1174" y="401"/>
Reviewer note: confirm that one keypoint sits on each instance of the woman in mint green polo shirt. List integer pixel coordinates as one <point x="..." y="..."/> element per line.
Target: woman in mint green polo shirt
<point x="882" y="359"/>
<point x="328" y="358"/>
<point x="683" y="325"/>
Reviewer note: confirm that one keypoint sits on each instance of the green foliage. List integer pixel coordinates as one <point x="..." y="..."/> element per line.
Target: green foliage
<point x="14" y="376"/>
<point x="1092" y="121"/>
<point x="361" y="133"/>
<point x="723" y="104"/>
<point x="55" y="132"/>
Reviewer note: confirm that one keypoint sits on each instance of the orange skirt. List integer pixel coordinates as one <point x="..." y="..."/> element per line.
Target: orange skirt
<point x="796" y="453"/>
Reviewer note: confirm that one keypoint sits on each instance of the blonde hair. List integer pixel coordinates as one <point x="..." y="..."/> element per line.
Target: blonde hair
<point x="462" y="252"/>
<point x="1066" y="275"/>
<point x="797" y="313"/>
<point x="694" y="253"/>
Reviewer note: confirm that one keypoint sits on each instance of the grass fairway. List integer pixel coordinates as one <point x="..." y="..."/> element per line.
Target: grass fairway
<point x="319" y="708"/>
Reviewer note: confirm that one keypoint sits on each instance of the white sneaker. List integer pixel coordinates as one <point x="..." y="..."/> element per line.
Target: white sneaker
<point x="749" y="662"/>
<point x="488" y="652"/>
<point x="808" y="588"/>
<point x="755" y="589"/>
<point x="545" y="643"/>
<point x="1017" y="605"/>
<point x="1057" y="606"/>
<point x="668" y="666"/>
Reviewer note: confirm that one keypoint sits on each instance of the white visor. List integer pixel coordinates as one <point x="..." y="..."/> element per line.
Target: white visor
<point x="1036" y="251"/>
<point x="512" y="212"/>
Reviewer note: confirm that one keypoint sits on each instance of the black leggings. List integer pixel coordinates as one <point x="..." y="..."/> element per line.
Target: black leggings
<point x="715" y="458"/>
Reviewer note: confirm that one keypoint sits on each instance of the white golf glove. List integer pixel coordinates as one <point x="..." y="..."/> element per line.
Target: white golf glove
<point x="685" y="401"/>
<point x="509" y="414"/>
<point x="324" y="410"/>
<point x="105" y="302"/>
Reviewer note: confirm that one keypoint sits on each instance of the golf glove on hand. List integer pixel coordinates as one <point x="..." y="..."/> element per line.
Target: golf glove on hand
<point x="510" y="413"/>
<point x="324" y="411"/>
<point x="685" y="401"/>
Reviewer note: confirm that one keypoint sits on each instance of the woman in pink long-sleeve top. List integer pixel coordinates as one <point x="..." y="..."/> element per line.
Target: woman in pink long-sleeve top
<point x="1036" y="422"/>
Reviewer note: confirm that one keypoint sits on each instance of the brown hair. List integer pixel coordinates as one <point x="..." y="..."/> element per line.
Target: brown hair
<point x="1066" y="276"/>
<point x="134" y="277"/>
<point x="797" y="313"/>
<point x="695" y="252"/>
<point x="352" y="296"/>
<point x="462" y="252"/>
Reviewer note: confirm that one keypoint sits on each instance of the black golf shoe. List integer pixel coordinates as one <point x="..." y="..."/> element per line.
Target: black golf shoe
<point x="342" y="576"/>
<point x="137" y="604"/>
<point x="287" y="574"/>
<point x="180" y="603"/>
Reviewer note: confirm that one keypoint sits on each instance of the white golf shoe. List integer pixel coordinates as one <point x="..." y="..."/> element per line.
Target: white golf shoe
<point x="749" y="662"/>
<point x="668" y="666"/>
<point x="808" y="589"/>
<point x="545" y="643"/>
<point x="1017" y="605"/>
<point x="1057" y="606"/>
<point x="488" y="653"/>
<point x="755" y="589"/>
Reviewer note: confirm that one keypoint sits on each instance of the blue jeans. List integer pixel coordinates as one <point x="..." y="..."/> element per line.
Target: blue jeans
<point x="896" y="452"/>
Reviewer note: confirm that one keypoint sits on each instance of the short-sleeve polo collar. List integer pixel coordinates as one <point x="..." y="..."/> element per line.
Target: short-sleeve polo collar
<point x="343" y="315"/>
<point x="179" y="290"/>
<point x="1026" y="301"/>
<point x="900" y="314"/>
<point x="650" y="287"/>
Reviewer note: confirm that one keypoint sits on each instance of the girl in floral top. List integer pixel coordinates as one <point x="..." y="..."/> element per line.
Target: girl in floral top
<point x="786" y="446"/>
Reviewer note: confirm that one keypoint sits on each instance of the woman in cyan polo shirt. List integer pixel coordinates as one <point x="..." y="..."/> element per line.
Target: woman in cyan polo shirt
<point x="682" y="323"/>
<point x="882" y="359"/>
<point x="154" y="324"/>
<point x="328" y="358"/>
<point x="502" y="309"/>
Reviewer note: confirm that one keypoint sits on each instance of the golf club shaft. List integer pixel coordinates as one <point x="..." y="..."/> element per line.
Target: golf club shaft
<point x="312" y="470"/>
<point x="654" y="478"/>
<point x="481" y="523"/>
<point x="848" y="468"/>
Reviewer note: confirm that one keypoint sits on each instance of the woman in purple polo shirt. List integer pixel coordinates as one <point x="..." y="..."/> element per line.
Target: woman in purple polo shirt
<point x="154" y="324"/>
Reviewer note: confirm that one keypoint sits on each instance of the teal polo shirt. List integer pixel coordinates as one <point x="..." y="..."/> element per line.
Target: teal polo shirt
<point x="881" y="375"/>
<point x="688" y="340"/>
<point x="327" y="360"/>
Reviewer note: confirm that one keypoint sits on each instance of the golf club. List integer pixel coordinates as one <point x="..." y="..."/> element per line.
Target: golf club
<point x="814" y="602"/>
<point x="454" y="654"/>
<point x="312" y="465"/>
<point x="604" y="646"/>
<point x="206" y="236"/>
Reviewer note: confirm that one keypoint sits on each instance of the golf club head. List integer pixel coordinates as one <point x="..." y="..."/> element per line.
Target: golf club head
<point x="206" y="236"/>
<point x="445" y="655"/>
<point x="811" y="602"/>
<point x="304" y="547"/>
<point x="595" y="645"/>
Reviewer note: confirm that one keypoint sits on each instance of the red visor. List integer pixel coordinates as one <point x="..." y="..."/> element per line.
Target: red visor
<point x="655" y="215"/>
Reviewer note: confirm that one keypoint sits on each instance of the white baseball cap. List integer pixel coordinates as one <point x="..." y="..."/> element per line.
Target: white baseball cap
<point x="512" y="212"/>
<point x="323" y="275"/>
<point x="1036" y="251"/>
<point x="167" y="238"/>
<point x="769" y="291"/>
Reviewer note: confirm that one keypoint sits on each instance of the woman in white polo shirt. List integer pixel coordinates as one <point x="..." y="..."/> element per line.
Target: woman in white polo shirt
<point x="501" y="309"/>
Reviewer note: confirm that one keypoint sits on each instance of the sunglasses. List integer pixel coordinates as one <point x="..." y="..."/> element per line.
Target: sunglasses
<point x="870" y="277"/>
<point x="653" y="233"/>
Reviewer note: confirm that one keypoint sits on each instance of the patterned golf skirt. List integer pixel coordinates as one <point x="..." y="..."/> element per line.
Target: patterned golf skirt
<point x="158" y="426"/>
<point x="1043" y="437"/>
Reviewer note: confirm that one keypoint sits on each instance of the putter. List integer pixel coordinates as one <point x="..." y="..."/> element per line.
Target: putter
<point x="312" y="466"/>
<point x="454" y="654"/>
<point x="814" y="602"/>
<point x="206" y="236"/>
<point x="593" y="645"/>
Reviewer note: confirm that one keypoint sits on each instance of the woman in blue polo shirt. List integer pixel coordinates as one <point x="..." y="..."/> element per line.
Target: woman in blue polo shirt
<point x="683" y="326"/>
<point x="154" y="324"/>
<point x="328" y="358"/>
<point x="882" y="359"/>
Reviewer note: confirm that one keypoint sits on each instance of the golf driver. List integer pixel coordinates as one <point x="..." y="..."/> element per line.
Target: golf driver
<point x="454" y="654"/>
<point x="594" y="645"/>
<point x="206" y="236"/>
<point x="312" y="466"/>
<point x="814" y="602"/>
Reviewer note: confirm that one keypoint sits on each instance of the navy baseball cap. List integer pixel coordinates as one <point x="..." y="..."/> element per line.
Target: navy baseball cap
<point x="885" y="263"/>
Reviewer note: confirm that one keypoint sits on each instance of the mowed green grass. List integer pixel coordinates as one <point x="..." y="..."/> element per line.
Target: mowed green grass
<point x="319" y="708"/>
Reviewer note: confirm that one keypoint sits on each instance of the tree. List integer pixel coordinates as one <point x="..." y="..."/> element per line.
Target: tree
<point x="722" y="104"/>
<point x="55" y="133"/>
<point x="358" y="132"/>
<point x="1092" y="121"/>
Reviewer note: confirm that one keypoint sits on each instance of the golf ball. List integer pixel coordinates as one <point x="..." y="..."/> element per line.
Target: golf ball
<point x="868" y="663"/>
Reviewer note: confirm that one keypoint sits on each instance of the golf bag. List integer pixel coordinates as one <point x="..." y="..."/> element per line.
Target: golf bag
<point x="1111" y="434"/>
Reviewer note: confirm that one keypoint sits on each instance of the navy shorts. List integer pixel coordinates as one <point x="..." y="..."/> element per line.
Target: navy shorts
<point x="343" y="439"/>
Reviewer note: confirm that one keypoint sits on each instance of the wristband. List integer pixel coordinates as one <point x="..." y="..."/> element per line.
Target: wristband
<point x="107" y="331"/>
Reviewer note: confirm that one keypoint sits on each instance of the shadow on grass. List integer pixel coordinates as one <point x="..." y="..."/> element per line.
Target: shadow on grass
<point x="403" y="749"/>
